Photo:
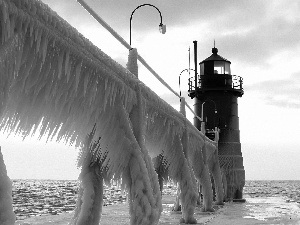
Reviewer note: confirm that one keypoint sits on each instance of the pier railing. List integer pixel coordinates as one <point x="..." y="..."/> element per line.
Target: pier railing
<point x="128" y="46"/>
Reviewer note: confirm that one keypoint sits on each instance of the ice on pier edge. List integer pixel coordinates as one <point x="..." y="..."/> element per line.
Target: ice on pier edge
<point x="7" y="215"/>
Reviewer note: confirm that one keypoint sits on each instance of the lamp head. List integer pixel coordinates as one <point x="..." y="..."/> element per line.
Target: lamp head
<point x="162" y="28"/>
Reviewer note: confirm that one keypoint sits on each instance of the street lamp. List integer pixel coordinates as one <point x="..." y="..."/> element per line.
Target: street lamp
<point x="161" y="26"/>
<point x="203" y="105"/>
<point x="203" y="129"/>
<point x="185" y="70"/>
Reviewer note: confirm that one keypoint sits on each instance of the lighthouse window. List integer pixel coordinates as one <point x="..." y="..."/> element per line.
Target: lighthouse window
<point x="219" y="67"/>
<point x="202" y="69"/>
<point x="227" y="68"/>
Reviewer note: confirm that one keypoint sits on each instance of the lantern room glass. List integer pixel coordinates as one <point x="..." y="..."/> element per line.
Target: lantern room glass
<point x="215" y="67"/>
<point x="227" y="68"/>
<point x="221" y="67"/>
<point x="201" y="68"/>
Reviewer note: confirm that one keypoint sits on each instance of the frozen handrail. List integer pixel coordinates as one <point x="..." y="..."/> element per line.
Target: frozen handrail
<point x="123" y="42"/>
<point x="128" y="46"/>
<point x="187" y="105"/>
<point x="103" y="23"/>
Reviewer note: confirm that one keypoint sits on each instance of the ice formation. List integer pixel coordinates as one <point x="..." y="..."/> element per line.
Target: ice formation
<point x="203" y="161"/>
<point x="214" y="168"/>
<point x="7" y="215"/>
<point x="55" y="82"/>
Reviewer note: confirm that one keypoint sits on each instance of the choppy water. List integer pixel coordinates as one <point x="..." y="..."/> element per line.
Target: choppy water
<point x="289" y="190"/>
<point x="41" y="197"/>
<point x="53" y="197"/>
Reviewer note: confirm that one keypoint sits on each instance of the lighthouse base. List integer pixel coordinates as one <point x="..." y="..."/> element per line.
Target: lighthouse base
<point x="235" y="176"/>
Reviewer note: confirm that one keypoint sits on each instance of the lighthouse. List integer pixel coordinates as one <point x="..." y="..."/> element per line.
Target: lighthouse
<point x="215" y="92"/>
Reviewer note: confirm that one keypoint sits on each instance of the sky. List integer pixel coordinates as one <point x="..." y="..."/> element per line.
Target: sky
<point x="260" y="38"/>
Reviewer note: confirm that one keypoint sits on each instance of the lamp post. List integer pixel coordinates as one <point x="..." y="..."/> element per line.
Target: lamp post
<point x="185" y="70"/>
<point x="161" y="26"/>
<point x="202" y="116"/>
<point x="203" y="105"/>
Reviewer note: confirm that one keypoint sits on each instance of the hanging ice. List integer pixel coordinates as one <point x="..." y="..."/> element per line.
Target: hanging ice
<point x="7" y="215"/>
<point x="55" y="79"/>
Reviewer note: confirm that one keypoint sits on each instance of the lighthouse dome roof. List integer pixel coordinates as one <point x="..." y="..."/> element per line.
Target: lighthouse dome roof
<point x="215" y="57"/>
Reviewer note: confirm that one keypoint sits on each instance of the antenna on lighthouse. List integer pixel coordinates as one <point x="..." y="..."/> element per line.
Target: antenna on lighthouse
<point x="189" y="61"/>
<point x="195" y="59"/>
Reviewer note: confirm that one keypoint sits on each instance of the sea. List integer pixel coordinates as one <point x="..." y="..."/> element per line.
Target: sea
<point x="54" y="197"/>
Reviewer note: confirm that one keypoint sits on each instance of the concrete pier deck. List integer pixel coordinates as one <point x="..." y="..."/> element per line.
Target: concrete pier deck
<point x="271" y="210"/>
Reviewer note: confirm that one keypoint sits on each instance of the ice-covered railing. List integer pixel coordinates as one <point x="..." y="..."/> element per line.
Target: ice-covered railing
<point x="53" y="76"/>
<point x="210" y="154"/>
<point x="126" y="45"/>
<point x="57" y="83"/>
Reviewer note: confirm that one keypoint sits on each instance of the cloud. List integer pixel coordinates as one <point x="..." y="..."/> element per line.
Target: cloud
<point x="280" y="92"/>
<point x="252" y="32"/>
<point x="174" y="12"/>
<point x="262" y="42"/>
<point x="249" y="32"/>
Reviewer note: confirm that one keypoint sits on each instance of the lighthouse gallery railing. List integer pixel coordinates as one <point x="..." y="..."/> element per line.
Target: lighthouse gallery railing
<point x="217" y="81"/>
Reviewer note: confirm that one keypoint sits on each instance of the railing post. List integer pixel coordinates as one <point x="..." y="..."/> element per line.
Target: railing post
<point x="182" y="106"/>
<point x="241" y="83"/>
<point x="132" y="65"/>
<point x="152" y="195"/>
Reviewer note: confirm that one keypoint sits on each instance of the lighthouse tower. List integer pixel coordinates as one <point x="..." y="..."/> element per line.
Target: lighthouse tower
<point x="215" y="92"/>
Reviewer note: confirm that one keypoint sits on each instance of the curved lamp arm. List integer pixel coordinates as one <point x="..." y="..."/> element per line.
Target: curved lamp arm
<point x="203" y="107"/>
<point x="161" y="26"/>
<point x="187" y="70"/>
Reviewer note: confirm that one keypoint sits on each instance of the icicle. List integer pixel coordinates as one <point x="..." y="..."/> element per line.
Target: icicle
<point x="126" y="98"/>
<point x="26" y="50"/>
<point x="33" y="79"/>
<point x="44" y="45"/>
<point x="93" y="92"/>
<point x="33" y="9"/>
<point x="53" y="42"/>
<point x="60" y="63"/>
<point x="37" y="38"/>
<point x="67" y="64"/>
<point x="105" y="83"/>
<point x="77" y="74"/>
<point x="29" y="64"/>
<point x="4" y="12"/>
<point x="19" y="24"/>
<point x="85" y="83"/>
<point x="70" y="72"/>
<point x="112" y="90"/>
<point x="12" y="26"/>
<point x="19" y="58"/>
<point x="57" y="128"/>
<point x="25" y="22"/>
<point x="106" y="95"/>
<point x="31" y="31"/>
<point x="5" y="26"/>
